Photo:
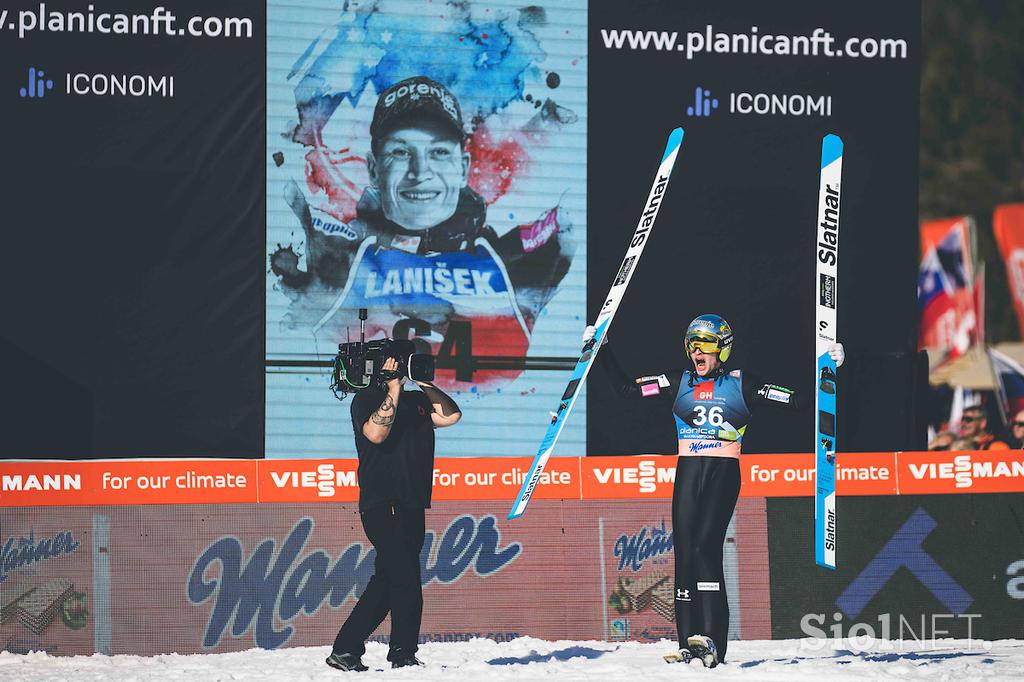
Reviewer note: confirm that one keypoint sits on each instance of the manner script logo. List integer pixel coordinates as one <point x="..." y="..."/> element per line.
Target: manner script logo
<point x="634" y="550"/>
<point x="268" y="588"/>
<point x="26" y="551"/>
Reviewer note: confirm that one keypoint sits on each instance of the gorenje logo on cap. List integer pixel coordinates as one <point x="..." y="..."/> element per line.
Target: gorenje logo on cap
<point x="415" y="90"/>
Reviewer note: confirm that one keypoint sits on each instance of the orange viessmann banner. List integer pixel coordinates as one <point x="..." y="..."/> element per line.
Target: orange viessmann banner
<point x="988" y="471"/>
<point x="234" y="481"/>
<point x="763" y="475"/>
<point x="455" y="478"/>
<point x="120" y="481"/>
<point x="499" y="478"/>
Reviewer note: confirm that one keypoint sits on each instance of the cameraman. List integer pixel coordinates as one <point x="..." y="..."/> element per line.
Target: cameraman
<point x="394" y="432"/>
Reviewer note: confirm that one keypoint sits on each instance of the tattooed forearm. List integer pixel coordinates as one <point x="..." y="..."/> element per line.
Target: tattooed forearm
<point x="382" y="419"/>
<point x="385" y="414"/>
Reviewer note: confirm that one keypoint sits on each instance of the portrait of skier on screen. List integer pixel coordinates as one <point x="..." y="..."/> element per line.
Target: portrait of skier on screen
<point x="419" y="252"/>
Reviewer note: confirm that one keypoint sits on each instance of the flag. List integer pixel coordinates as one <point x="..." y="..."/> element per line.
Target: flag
<point x="955" y="238"/>
<point x="934" y="294"/>
<point x="1008" y="227"/>
<point x="950" y="320"/>
<point x="1009" y="380"/>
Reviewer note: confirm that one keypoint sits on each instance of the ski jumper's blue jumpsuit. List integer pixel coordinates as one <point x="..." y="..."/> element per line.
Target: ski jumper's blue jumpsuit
<point x="711" y="415"/>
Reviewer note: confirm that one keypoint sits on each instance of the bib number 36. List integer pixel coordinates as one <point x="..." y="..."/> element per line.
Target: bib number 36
<point x="712" y="416"/>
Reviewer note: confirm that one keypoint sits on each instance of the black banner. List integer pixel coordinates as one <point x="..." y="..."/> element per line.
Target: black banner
<point x="134" y="208"/>
<point x="909" y="567"/>
<point x="756" y="86"/>
<point x="137" y="174"/>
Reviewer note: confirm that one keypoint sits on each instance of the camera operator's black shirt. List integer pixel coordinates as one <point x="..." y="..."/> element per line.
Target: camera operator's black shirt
<point x="400" y="470"/>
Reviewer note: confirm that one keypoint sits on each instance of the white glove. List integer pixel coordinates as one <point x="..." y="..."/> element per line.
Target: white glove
<point x="837" y="353"/>
<point x="588" y="334"/>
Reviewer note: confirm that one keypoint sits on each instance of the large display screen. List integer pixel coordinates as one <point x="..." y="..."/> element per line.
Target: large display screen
<point x="427" y="162"/>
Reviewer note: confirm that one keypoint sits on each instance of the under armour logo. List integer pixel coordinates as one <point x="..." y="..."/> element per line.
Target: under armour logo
<point x="682" y="594"/>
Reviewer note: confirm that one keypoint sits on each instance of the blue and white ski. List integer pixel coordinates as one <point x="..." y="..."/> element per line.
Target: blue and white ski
<point x="604" y="319"/>
<point x="826" y="252"/>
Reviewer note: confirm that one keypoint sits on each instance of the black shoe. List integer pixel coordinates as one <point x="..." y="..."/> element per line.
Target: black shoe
<point x="405" y="661"/>
<point x="346" y="662"/>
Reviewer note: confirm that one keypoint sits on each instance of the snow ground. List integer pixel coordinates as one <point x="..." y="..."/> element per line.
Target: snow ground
<point x="533" y="659"/>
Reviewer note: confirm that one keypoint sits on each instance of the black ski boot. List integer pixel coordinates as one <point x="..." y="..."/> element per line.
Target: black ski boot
<point x="703" y="649"/>
<point x="346" y="662"/>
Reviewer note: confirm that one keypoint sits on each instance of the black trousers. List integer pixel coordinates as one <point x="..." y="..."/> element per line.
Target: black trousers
<point x="703" y="501"/>
<point x="397" y="534"/>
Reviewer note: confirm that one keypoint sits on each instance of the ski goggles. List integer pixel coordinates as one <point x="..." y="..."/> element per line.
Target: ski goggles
<point x="705" y="343"/>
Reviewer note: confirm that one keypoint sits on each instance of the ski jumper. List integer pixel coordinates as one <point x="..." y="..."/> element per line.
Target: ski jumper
<point x="711" y="415"/>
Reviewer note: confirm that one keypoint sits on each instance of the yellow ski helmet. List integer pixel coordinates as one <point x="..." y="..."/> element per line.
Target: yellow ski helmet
<point x="711" y="334"/>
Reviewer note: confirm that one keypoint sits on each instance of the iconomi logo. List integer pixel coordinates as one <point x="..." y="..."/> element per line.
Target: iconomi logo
<point x="761" y="104"/>
<point x="37" y="84"/>
<point x="702" y="103"/>
<point x="104" y="85"/>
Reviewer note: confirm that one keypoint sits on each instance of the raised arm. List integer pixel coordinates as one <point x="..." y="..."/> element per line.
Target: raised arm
<point x="659" y="386"/>
<point x="378" y="427"/>
<point x="758" y="391"/>
<point x="446" y="412"/>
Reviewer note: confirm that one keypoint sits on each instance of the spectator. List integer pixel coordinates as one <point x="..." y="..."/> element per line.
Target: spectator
<point x="974" y="426"/>
<point x="1017" y="431"/>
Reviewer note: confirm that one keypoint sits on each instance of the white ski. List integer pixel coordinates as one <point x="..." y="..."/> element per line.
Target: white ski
<point x="826" y="259"/>
<point x="604" y="320"/>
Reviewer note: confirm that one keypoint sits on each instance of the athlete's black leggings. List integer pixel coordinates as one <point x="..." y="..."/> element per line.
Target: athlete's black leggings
<point x="703" y="501"/>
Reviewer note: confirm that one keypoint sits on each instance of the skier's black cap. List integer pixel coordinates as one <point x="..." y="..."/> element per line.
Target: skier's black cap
<point x="414" y="100"/>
